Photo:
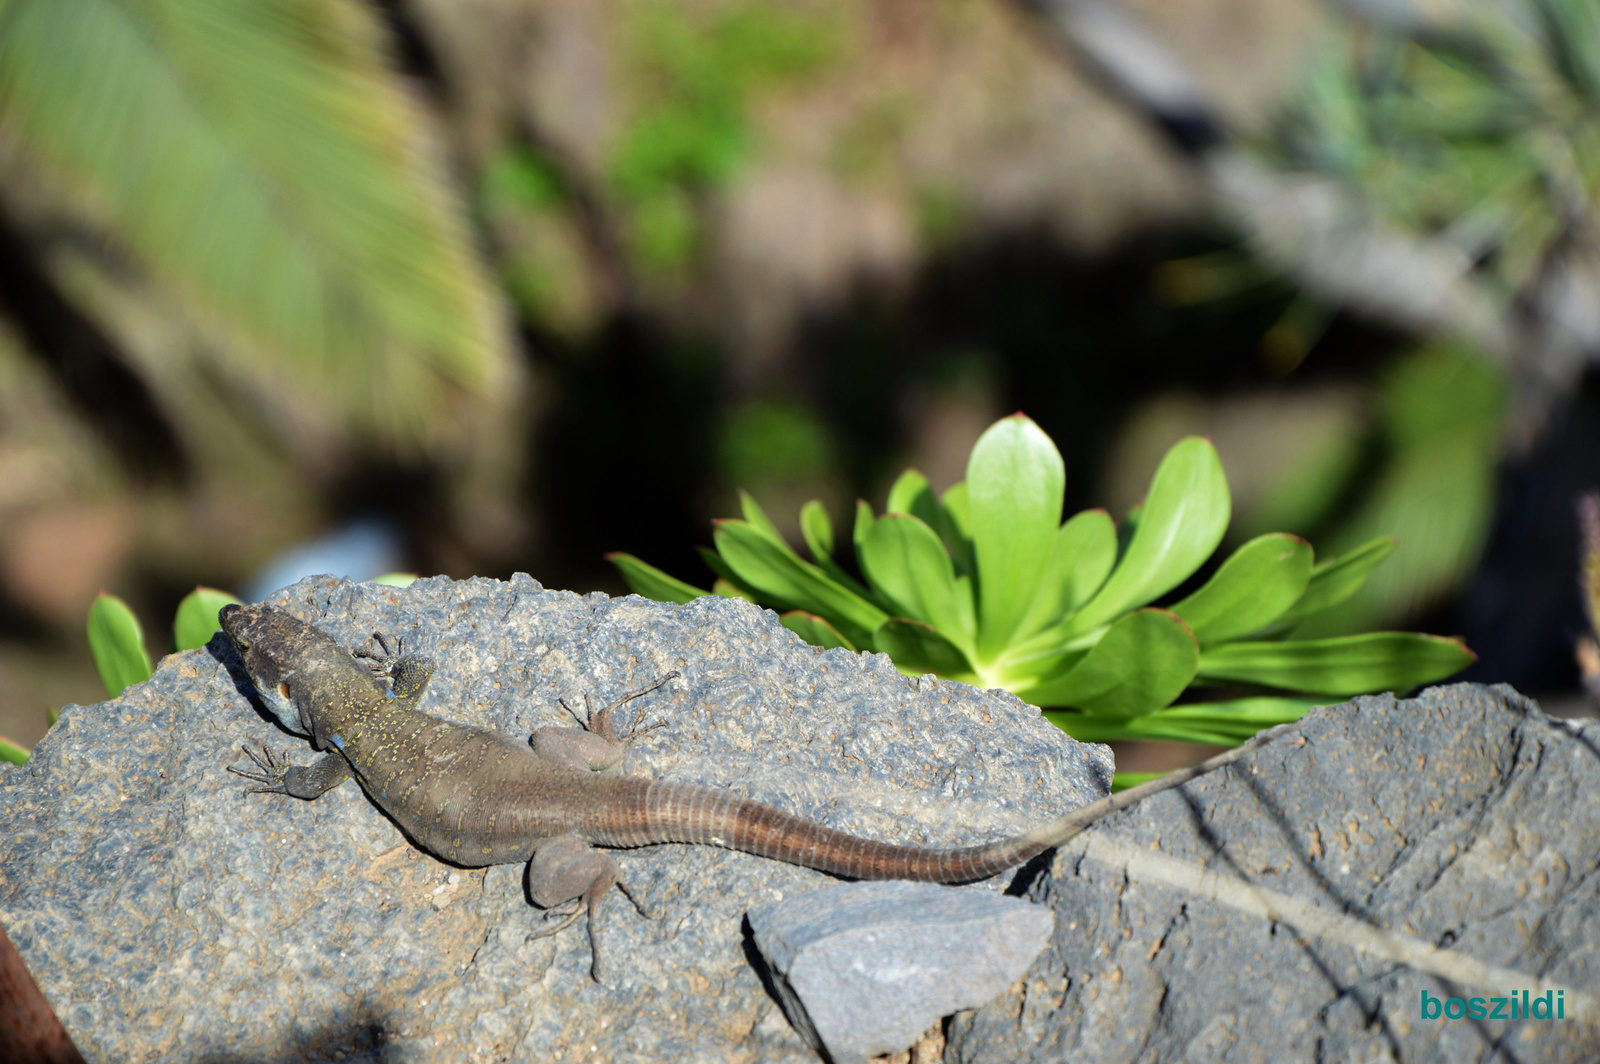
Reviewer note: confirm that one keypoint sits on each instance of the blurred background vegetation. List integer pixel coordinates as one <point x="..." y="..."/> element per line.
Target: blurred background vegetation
<point x="477" y="286"/>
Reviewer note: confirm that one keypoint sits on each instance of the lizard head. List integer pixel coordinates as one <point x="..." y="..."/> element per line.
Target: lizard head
<point x="277" y="649"/>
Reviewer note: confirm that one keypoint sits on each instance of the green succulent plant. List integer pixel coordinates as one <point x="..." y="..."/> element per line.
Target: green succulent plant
<point x="986" y="584"/>
<point x="117" y="642"/>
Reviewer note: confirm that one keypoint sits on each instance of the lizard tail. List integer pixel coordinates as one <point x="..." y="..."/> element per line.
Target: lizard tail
<point x="654" y="811"/>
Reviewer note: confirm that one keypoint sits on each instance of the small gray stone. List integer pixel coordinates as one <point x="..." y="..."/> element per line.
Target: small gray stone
<point x="863" y="969"/>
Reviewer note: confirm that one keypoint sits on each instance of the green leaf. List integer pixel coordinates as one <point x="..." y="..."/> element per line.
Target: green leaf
<point x="1336" y="579"/>
<point x="264" y="163"/>
<point x="1084" y="551"/>
<point x="395" y="579"/>
<point x="907" y="566"/>
<point x="910" y="489"/>
<point x="918" y="648"/>
<point x="1345" y="665"/>
<point x="1181" y="523"/>
<point x="1142" y="663"/>
<point x="1123" y="780"/>
<point x="1257" y="583"/>
<point x="817" y="529"/>
<point x="1087" y="729"/>
<point x="1222" y="723"/>
<point x="196" y="620"/>
<point x="728" y="589"/>
<point x="1262" y="711"/>
<point x="10" y="751"/>
<point x="912" y="494"/>
<point x="771" y="568"/>
<point x="814" y="629"/>
<point x="117" y="644"/>
<point x="645" y="579"/>
<point x="757" y="517"/>
<point x="1015" y="484"/>
<point x="863" y="525"/>
<point x="953" y="522"/>
<point x="735" y="588"/>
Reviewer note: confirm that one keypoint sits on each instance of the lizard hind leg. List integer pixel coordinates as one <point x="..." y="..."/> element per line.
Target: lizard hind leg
<point x="595" y="745"/>
<point x="567" y="869"/>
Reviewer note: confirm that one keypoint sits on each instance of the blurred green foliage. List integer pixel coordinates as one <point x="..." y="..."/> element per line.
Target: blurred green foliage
<point x="543" y="263"/>
<point x="772" y="440"/>
<point x="986" y="585"/>
<point x="1441" y="413"/>
<point x="264" y="163"/>
<point x="694" y="75"/>
<point x="1481" y="128"/>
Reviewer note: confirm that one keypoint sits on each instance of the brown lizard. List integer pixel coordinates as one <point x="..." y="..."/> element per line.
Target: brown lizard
<point x="477" y="797"/>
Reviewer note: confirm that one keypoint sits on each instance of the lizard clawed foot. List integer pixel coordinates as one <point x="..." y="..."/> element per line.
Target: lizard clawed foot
<point x="407" y="674"/>
<point x="271" y="772"/>
<point x="567" y="918"/>
<point x="599" y="723"/>
<point x="384" y="661"/>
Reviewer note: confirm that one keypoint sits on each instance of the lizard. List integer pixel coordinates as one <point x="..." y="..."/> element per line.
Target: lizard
<point x="477" y="797"/>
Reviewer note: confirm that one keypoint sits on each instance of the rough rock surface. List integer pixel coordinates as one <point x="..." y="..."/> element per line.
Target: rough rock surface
<point x="863" y="969"/>
<point x="169" y="916"/>
<point x="1460" y="829"/>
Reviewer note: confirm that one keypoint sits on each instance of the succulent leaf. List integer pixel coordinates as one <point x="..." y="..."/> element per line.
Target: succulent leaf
<point x="1336" y="579"/>
<point x="918" y="648"/>
<point x="1257" y="583"/>
<point x="12" y="752"/>
<point x="910" y="488"/>
<point x="906" y="564"/>
<point x="117" y="643"/>
<point x="814" y="630"/>
<point x="817" y="529"/>
<point x="758" y="518"/>
<point x="774" y="571"/>
<point x="1344" y="665"/>
<point x="196" y="620"/>
<point x="1085" y="550"/>
<point x="1181" y="523"/>
<point x="645" y="579"/>
<point x="1142" y="663"/>
<point x="1015" y="485"/>
<point x="953" y="522"/>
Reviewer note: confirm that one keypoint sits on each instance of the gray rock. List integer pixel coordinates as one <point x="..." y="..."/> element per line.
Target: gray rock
<point x="169" y="916"/>
<point x="863" y="969"/>
<point x="1296" y="905"/>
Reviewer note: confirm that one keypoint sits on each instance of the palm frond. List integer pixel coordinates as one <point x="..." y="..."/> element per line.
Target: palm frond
<point x="260" y="159"/>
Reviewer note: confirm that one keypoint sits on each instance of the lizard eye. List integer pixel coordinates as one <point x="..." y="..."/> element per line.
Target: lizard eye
<point x="283" y="689"/>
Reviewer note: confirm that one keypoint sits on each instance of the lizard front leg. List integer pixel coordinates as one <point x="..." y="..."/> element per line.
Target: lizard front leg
<point x="407" y="674"/>
<point x="297" y="781"/>
<point x="595" y="745"/>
